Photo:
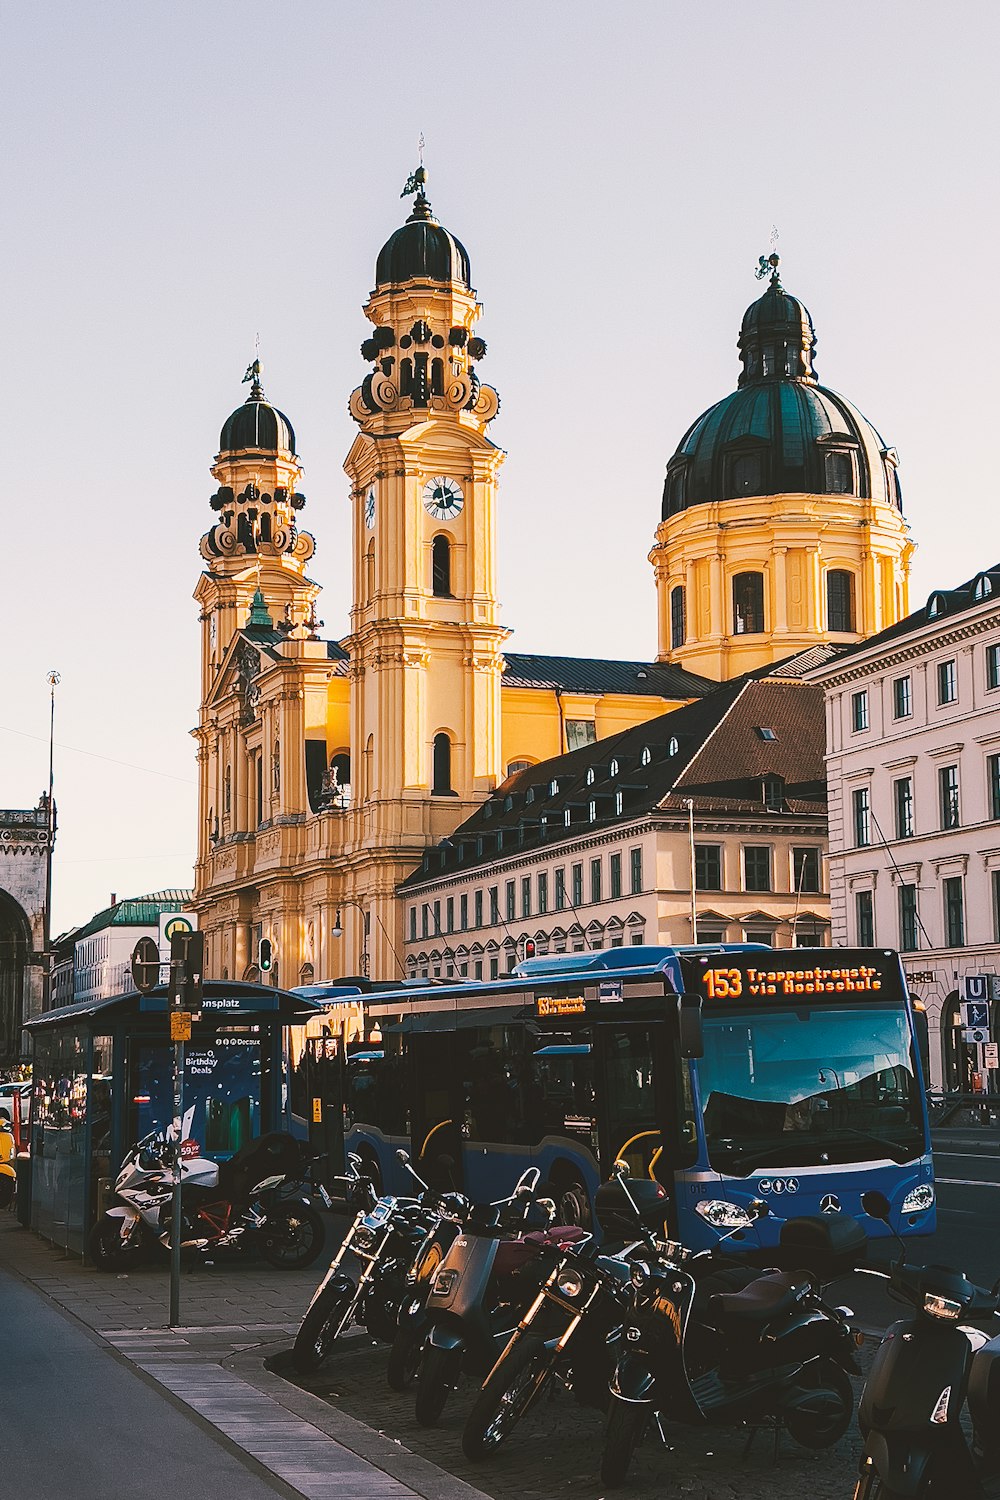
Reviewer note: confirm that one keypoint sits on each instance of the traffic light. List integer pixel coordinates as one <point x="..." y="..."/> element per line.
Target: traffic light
<point x="265" y="955"/>
<point x="529" y="947"/>
<point x="187" y="969"/>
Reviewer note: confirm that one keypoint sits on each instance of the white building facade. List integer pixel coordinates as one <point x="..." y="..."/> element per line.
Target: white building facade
<point x="913" y="770"/>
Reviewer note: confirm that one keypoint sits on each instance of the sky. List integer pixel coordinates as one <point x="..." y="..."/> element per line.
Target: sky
<point x="177" y="179"/>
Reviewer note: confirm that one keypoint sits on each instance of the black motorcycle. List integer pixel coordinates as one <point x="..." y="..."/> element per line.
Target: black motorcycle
<point x="452" y="1210"/>
<point x="480" y="1289"/>
<point x="382" y="1241"/>
<point x="925" y="1370"/>
<point x="772" y="1353"/>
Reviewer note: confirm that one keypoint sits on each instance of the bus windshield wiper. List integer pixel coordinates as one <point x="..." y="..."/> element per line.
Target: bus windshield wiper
<point x="803" y="1149"/>
<point x="895" y="1149"/>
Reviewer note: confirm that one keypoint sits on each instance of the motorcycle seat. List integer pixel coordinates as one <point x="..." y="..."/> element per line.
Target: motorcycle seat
<point x="766" y="1298"/>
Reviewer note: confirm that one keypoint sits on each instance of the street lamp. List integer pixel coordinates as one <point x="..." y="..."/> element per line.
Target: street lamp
<point x="337" y="930"/>
<point x="53" y="679"/>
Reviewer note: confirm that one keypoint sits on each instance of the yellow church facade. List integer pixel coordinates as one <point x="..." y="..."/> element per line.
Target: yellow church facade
<point x="328" y="766"/>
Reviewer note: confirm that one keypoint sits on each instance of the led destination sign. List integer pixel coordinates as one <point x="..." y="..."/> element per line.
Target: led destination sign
<point x="837" y="975"/>
<point x="560" y="1005"/>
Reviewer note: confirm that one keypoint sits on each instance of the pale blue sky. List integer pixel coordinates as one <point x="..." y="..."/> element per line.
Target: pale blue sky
<point x="175" y="178"/>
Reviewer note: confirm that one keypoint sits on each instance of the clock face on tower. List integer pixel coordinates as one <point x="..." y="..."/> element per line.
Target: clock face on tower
<point x="443" y="498"/>
<point x="370" y="508"/>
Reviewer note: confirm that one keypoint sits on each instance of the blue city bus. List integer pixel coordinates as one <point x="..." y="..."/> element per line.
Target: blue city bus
<point x="728" y="1073"/>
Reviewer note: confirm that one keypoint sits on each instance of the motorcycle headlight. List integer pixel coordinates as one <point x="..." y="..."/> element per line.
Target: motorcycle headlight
<point x="941" y="1307"/>
<point x="640" y="1274"/>
<point x="570" y="1283"/>
<point x="722" y="1215"/>
<point x="918" y="1200"/>
<point x="364" y="1238"/>
<point x="443" y="1282"/>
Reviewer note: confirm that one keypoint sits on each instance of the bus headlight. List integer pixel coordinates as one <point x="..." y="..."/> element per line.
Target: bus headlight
<point x="918" y="1200"/>
<point x="722" y="1215"/>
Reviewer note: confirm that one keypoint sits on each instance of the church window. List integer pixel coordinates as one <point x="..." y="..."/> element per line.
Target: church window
<point x="839" y="474"/>
<point x="675" y="492"/>
<point x="437" y="377"/>
<point x="746" y="474"/>
<point x="580" y="732"/>
<point x="677" y="620"/>
<point x="839" y="599"/>
<point x="405" y="376"/>
<point x="792" y="366"/>
<point x="441" y="786"/>
<point x="441" y="567"/>
<point x="748" y="604"/>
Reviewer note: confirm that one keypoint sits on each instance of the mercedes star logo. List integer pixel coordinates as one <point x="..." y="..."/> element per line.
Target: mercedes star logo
<point x="829" y="1204"/>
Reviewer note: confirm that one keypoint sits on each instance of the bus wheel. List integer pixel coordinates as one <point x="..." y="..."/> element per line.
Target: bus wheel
<point x="572" y="1202"/>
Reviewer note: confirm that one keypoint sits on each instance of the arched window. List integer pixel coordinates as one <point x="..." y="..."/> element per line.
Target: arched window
<point x="441" y="786"/>
<point x="370" y="570"/>
<point x="839" y="599"/>
<point x="405" y="377"/>
<point x="276" y="768"/>
<point x="746" y="472"/>
<point x="441" y="567"/>
<point x="839" y="474"/>
<point x="437" y="377"/>
<point x="677" y="621"/>
<point x="748" y="604"/>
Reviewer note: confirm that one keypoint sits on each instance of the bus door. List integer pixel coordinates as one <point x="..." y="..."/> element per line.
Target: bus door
<point x="324" y="1059"/>
<point x="633" y="1074"/>
<point x="437" y="1098"/>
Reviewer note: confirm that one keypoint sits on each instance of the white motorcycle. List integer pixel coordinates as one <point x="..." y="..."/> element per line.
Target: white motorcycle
<point x="225" y="1207"/>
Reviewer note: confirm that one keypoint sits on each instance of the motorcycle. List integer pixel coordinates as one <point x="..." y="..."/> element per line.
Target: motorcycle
<point x="480" y="1287"/>
<point x="385" y="1239"/>
<point x="238" y="1204"/>
<point x="926" y="1369"/>
<point x="774" y="1353"/>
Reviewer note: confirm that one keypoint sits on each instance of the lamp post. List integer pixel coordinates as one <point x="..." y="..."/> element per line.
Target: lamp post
<point x="53" y="679"/>
<point x="689" y="803"/>
<point x="337" y="930"/>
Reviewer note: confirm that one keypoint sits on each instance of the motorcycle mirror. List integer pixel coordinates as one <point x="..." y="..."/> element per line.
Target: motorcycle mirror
<point x="620" y="1168"/>
<point x="403" y="1156"/>
<point x="876" y="1205"/>
<point x="548" y="1207"/>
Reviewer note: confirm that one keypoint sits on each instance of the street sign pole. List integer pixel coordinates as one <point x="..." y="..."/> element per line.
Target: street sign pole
<point x="175" y="1217"/>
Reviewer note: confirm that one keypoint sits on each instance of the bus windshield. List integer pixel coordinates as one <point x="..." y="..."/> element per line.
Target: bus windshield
<point x="805" y="1085"/>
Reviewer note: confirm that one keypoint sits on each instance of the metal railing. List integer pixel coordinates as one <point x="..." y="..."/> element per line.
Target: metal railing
<point x="953" y="1107"/>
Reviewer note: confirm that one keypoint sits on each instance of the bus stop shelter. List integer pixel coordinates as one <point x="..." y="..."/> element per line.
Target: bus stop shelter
<point x="103" y="1078"/>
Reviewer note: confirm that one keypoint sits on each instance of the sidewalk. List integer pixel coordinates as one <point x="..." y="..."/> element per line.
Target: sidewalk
<point x="233" y="1317"/>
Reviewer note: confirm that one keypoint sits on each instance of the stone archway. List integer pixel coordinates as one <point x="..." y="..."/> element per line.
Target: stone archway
<point x="15" y="954"/>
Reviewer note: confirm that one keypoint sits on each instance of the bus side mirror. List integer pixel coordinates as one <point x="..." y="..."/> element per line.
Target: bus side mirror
<point x="692" y="1040"/>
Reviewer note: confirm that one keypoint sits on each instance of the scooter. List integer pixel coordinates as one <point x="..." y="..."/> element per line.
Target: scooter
<point x="774" y="1353"/>
<point x="479" y="1290"/>
<point x="925" y="1370"/>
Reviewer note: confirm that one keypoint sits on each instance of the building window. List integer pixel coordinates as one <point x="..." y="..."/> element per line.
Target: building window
<point x="477" y="909"/>
<point x="425" y="920"/>
<point x="839" y="480"/>
<point x="993" y="780"/>
<point x="995" y="882"/>
<point x="494" y="968"/>
<point x="526" y="896"/>
<point x="580" y="732"/>
<point x="413" y="924"/>
<point x="947" y="679"/>
<point x="635" y="867"/>
<point x="748" y="604"/>
<point x="862" y="817"/>
<point x="756" y="867"/>
<point x="560" y="892"/>
<point x="774" y="793"/>
<point x="907" y="918"/>
<point x="637" y="939"/>
<point x="441" y="567"/>
<point x="762" y="935"/>
<point x="510" y="893"/>
<point x="576" y="898"/>
<point x="954" y="912"/>
<point x="864" y="915"/>
<point x="993" y="666"/>
<point x="517" y="765"/>
<point x="902" y="697"/>
<point x="839" y="595"/>
<point x="615" y="873"/>
<point x="677" y="620"/>
<point x="708" y="867"/>
<point x="543" y="894"/>
<point x="746" y="474"/>
<point x="449" y="914"/>
<point x="494" y="893"/>
<point x="595" y="880"/>
<point x="859" y="710"/>
<point x="463" y="913"/>
<point x="442" y="767"/>
<point x="477" y="968"/>
<point x="948" y="786"/>
<point x="902" y="791"/>
<point x="805" y="868"/>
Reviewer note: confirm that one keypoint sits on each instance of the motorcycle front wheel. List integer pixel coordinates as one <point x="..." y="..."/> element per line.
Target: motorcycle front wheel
<point x="293" y="1237"/>
<point x="870" y="1487"/>
<point x="621" y="1438"/>
<point x="108" y="1251"/>
<point x="318" y="1331"/>
<point x="404" y="1356"/>
<point x="511" y="1387"/>
<point x="824" y="1425"/>
<point x="434" y="1383"/>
